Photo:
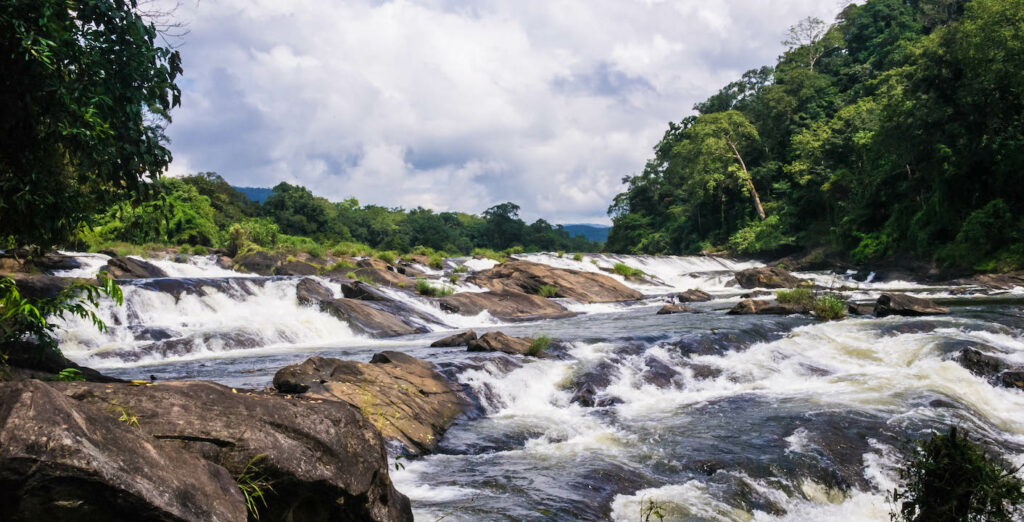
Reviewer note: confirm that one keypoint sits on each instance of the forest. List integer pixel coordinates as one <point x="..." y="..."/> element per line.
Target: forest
<point x="895" y="132"/>
<point x="202" y="212"/>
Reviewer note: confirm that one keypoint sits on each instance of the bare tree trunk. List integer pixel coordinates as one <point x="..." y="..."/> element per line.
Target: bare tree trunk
<point x="750" y="182"/>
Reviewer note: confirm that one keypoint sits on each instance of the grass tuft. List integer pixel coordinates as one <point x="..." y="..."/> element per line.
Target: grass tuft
<point x="547" y="291"/>
<point x="799" y="296"/>
<point x="829" y="308"/>
<point x="538" y="346"/>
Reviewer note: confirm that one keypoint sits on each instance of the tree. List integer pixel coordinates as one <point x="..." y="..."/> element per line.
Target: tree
<point x="712" y="153"/>
<point x="813" y="37"/>
<point x="85" y="93"/>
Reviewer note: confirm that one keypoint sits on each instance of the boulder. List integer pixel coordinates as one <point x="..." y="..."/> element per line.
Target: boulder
<point x="767" y="277"/>
<point x="131" y="268"/>
<point x="764" y="306"/>
<point x="854" y="308"/>
<point x="323" y="458"/>
<point x="1013" y="378"/>
<point x="1004" y="281"/>
<point x="499" y="342"/>
<point x="258" y="262"/>
<point x="366" y="319"/>
<point x="980" y="364"/>
<point x="404" y="397"/>
<point x="62" y="460"/>
<point x="659" y="373"/>
<point x="459" y="339"/>
<point x="296" y="268"/>
<point x="43" y="286"/>
<point x="362" y="291"/>
<point x="373" y="262"/>
<point x="903" y="304"/>
<point x="55" y="261"/>
<point x="225" y="262"/>
<point x="674" y="309"/>
<point x="527" y="277"/>
<point x="692" y="296"/>
<point x="385" y="277"/>
<point x="311" y="292"/>
<point x="506" y="305"/>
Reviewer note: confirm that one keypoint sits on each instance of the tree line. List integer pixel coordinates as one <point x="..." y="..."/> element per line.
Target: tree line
<point x="897" y="130"/>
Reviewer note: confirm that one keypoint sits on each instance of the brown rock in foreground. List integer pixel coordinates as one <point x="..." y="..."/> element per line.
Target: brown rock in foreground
<point x="506" y="305"/>
<point x="903" y="304"/>
<point x="767" y="277"/>
<point x="527" y="277"/>
<point x="404" y="397"/>
<point x="61" y="460"/>
<point x="324" y="459"/>
<point x="763" y="306"/>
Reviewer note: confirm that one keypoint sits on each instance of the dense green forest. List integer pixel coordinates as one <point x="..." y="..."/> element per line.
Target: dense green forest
<point x="203" y="211"/>
<point x="896" y="131"/>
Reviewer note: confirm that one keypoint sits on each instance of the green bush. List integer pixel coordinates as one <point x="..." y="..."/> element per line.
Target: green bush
<point x="538" y="345"/>
<point x="561" y="254"/>
<point x="200" y="250"/>
<point x="425" y="288"/>
<point x="760" y="236"/>
<point x="387" y="257"/>
<point x="352" y="249"/>
<point x="829" y="307"/>
<point x="261" y="232"/>
<point x="799" y="296"/>
<point x="489" y="254"/>
<point x="453" y="278"/>
<point x="627" y="271"/>
<point x="547" y="291"/>
<point x="951" y="478"/>
<point x="514" y="250"/>
<point x="338" y="266"/>
<point x="351" y="275"/>
<point x="872" y="247"/>
<point x="437" y="261"/>
<point x="577" y="257"/>
<point x="461" y="269"/>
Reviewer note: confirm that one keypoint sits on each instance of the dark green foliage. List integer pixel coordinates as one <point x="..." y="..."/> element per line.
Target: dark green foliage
<point x="800" y="296"/>
<point x="829" y="307"/>
<point x="425" y="288"/>
<point x="538" y="345"/>
<point x="952" y="478"/>
<point x="86" y="92"/>
<point x="898" y="130"/>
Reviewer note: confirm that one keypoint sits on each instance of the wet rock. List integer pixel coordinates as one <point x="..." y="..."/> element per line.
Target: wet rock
<point x="325" y="460"/>
<point x="504" y="305"/>
<point x="767" y="277"/>
<point x="177" y="347"/>
<point x="1005" y="281"/>
<point x="854" y="308"/>
<point x="527" y="277"/>
<point x="659" y="373"/>
<point x="258" y="262"/>
<point x="362" y="291"/>
<point x="311" y="292"/>
<point x="131" y="268"/>
<point x="499" y="342"/>
<point x="296" y="268"/>
<point x="62" y="460"/>
<point x="43" y="286"/>
<point x="910" y="326"/>
<point x="55" y="261"/>
<point x="704" y="372"/>
<point x="674" y="309"/>
<point x="692" y="296"/>
<point x="404" y="397"/>
<point x="1013" y="378"/>
<point x="762" y="306"/>
<point x="903" y="304"/>
<point x="459" y="339"/>
<point x="757" y="293"/>
<point x="588" y="385"/>
<point x="366" y="319"/>
<point x="225" y="262"/>
<point x="980" y="364"/>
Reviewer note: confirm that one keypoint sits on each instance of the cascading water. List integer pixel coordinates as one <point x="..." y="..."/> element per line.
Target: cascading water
<point x="705" y="416"/>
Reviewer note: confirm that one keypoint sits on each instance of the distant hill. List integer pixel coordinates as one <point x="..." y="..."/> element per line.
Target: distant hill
<point x="257" y="194"/>
<point x="598" y="233"/>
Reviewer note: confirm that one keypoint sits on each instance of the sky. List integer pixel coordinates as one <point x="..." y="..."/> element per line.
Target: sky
<point x="456" y="104"/>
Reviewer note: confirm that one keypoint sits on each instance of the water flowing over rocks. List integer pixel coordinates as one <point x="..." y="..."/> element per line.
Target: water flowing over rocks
<point x="459" y="339"/>
<point x="310" y="292"/>
<point x="62" y="460"/>
<point x="903" y="304"/>
<point x="131" y="268"/>
<point x="528" y="277"/>
<point x="325" y="461"/>
<point x="505" y="305"/>
<point x="991" y="367"/>
<point x="405" y="397"/>
<point x="767" y="277"/>
<point x="296" y="268"/>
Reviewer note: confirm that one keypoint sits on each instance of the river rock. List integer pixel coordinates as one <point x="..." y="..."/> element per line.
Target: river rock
<point x="404" y="397"/>
<point x="1013" y="378"/>
<point x="527" y="277"/>
<point x="854" y="308"/>
<point x="980" y="364"/>
<point x="459" y="339"/>
<point x="674" y="309"/>
<point x="43" y="286"/>
<point x="131" y="268"/>
<point x="257" y="262"/>
<point x="296" y="268"/>
<point x="323" y="458"/>
<point x="506" y="305"/>
<point x="362" y="291"/>
<point x="767" y="277"/>
<point x="366" y="319"/>
<point x="903" y="304"/>
<point x="764" y="306"/>
<point x="63" y="460"/>
<point x="55" y="261"/>
<point x="1005" y="281"/>
<point x="385" y="277"/>
<point x="225" y="262"/>
<point x="311" y="292"/>
<point x="659" y="373"/>
<point x="692" y="296"/>
<point x="499" y="342"/>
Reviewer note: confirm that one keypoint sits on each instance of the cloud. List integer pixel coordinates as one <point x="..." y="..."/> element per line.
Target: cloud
<point x="457" y="105"/>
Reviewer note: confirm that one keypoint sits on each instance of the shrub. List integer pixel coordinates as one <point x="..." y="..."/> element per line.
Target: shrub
<point x="538" y="345"/>
<point x="461" y="269"/>
<point x="200" y="250"/>
<point x="351" y="275"/>
<point x="627" y="271"/>
<point x="425" y="288"/>
<point x="387" y="257"/>
<point x="453" y="278"/>
<point x="352" y="249"/>
<point x="760" y="236"/>
<point x="829" y="307"/>
<point x="872" y="247"/>
<point x="514" y="250"/>
<point x="547" y="291"/>
<point x="436" y="261"/>
<point x="799" y="296"/>
<point x="337" y="266"/>
<point x="262" y="232"/>
<point x="951" y="478"/>
<point x="489" y="254"/>
<point x="577" y="257"/>
<point x="561" y="254"/>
